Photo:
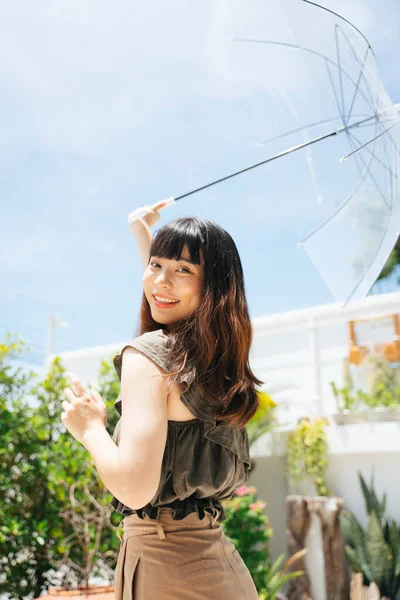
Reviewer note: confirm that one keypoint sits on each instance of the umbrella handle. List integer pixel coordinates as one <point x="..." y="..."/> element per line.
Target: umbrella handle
<point x="143" y="210"/>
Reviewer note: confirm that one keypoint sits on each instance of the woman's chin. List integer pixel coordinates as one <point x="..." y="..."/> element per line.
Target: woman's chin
<point x="160" y="317"/>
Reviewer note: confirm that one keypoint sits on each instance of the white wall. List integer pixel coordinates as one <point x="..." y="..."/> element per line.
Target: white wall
<point x="304" y="350"/>
<point x="86" y="362"/>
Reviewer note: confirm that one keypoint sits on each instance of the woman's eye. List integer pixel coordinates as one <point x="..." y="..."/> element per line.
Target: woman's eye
<point x="153" y="263"/>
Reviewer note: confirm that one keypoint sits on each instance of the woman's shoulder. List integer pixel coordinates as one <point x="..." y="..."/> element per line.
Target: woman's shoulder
<point x="153" y="344"/>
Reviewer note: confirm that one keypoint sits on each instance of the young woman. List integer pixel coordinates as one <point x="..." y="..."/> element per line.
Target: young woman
<point x="187" y="392"/>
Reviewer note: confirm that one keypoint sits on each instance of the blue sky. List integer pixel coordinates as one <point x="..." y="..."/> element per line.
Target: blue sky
<point x="96" y="123"/>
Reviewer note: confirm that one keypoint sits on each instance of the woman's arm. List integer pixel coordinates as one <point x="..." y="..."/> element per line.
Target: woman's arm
<point x="141" y="230"/>
<point x="131" y="471"/>
<point x="144" y="238"/>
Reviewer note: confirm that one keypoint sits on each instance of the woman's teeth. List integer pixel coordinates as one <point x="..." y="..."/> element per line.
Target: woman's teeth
<point x="164" y="301"/>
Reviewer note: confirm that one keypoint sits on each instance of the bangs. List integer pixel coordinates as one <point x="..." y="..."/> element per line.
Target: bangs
<point x="171" y="239"/>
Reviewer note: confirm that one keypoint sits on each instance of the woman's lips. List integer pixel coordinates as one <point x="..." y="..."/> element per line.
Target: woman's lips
<point x="165" y="304"/>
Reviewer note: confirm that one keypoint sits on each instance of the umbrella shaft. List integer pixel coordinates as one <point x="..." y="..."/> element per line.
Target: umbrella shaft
<point x="279" y="155"/>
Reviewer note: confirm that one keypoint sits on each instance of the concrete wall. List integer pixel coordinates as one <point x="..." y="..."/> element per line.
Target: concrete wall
<point x="269" y="479"/>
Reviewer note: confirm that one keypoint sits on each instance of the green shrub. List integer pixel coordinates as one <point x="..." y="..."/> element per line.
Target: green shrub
<point x="47" y="485"/>
<point x="248" y="528"/>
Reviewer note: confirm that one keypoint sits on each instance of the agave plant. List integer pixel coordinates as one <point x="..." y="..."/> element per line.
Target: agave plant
<point x="375" y="551"/>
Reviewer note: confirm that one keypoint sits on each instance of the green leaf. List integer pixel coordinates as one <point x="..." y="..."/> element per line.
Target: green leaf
<point x="371" y="501"/>
<point x="379" y="553"/>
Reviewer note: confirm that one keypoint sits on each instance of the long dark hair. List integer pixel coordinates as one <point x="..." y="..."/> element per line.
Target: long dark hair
<point x="210" y="347"/>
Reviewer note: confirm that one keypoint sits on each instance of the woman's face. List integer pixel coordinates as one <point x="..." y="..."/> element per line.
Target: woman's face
<point x="180" y="281"/>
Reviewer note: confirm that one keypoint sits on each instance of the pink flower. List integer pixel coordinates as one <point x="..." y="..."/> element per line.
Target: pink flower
<point x="259" y="504"/>
<point x="242" y="491"/>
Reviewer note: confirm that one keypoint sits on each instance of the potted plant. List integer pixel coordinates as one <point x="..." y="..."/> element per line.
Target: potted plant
<point x="374" y="551"/>
<point x="307" y="460"/>
<point x="380" y="398"/>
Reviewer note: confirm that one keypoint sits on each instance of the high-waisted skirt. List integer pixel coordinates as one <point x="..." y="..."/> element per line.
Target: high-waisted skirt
<point x="188" y="559"/>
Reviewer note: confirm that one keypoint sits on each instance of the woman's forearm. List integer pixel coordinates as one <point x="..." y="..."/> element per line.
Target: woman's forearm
<point x="144" y="238"/>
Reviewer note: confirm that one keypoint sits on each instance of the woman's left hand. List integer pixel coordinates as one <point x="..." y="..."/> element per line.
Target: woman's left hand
<point x="85" y="411"/>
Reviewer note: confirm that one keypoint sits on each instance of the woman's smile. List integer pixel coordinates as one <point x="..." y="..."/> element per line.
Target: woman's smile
<point x="162" y="302"/>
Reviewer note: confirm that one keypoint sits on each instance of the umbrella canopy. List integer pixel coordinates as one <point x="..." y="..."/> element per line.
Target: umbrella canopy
<point x="272" y="97"/>
<point x="316" y="73"/>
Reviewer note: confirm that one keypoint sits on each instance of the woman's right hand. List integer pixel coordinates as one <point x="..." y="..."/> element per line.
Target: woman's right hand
<point x="151" y="217"/>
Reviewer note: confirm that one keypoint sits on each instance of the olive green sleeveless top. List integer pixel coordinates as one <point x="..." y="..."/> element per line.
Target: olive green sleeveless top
<point x="205" y="460"/>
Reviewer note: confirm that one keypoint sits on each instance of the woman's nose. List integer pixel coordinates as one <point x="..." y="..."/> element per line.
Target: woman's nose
<point x="162" y="277"/>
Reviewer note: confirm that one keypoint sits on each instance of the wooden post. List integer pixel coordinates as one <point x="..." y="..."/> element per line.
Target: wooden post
<point x="298" y="518"/>
<point x="336" y="570"/>
<point x="297" y="525"/>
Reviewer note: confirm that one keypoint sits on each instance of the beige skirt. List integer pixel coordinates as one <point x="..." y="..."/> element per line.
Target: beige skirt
<point x="190" y="559"/>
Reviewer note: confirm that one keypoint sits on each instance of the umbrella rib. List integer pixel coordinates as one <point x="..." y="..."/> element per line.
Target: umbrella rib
<point x="377" y="159"/>
<point x="380" y="122"/>
<point x="370" y="141"/>
<point x="369" y="265"/>
<point x="338" y="210"/>
<point x="311" y="126"/>
<point x="339" y="17"/>
<point x="390" y="178"/>
<point x="342" y="113"/>
<point x="306" y="138"/>
<point x="330" y="120"/>
<point x="351" y="138"/>
<point x="310" y="51"/>
<point x="333" y="86"/>
<point x="370" y="174"/>
<point x="357" y="59"/>
<point x="357" y="86"/>
<point x="377" y="115"/>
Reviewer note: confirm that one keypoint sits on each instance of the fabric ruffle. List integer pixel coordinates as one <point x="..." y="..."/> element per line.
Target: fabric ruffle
<point x="180" y="508"/>
<point x="236" y="441"/>
<point x="153" y="344"/>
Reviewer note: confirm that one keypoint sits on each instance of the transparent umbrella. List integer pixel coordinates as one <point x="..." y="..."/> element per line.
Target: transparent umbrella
<point x="290" y="82"/>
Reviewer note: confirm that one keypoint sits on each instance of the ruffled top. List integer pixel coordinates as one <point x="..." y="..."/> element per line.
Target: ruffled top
<point x="205" y="460"/>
